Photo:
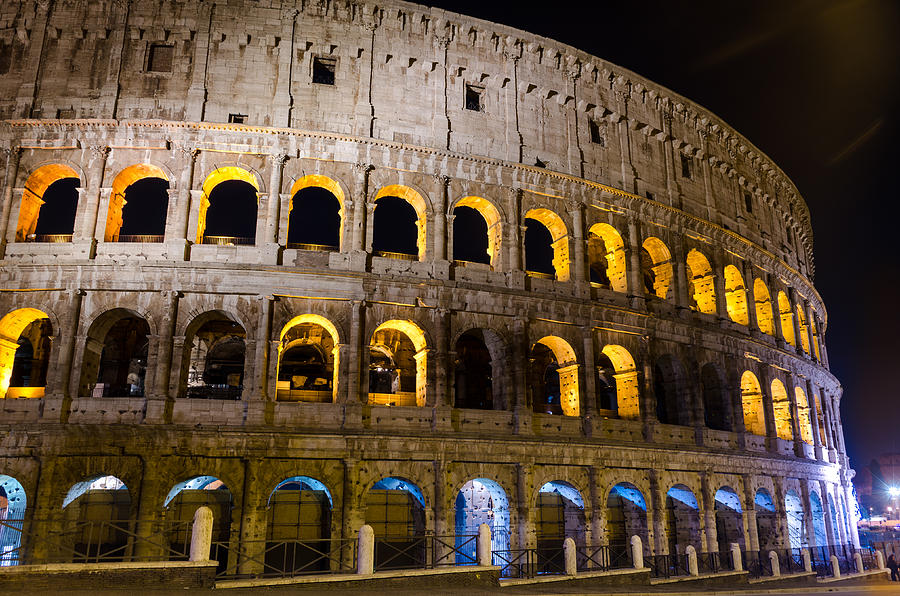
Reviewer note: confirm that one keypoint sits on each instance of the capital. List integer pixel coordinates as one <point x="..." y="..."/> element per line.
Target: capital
<point x="441" y="179"/>
<point x="363" y="168"/>
<point x="98" y="151"/>
<point x="279" y="158"/>
<point x="187" y="151"/>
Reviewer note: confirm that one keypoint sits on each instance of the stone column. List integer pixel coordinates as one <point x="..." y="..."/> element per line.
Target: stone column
<point x="776" y="313"/>
<point x="708" y="515"/>
<point x="514" y="236"/>
<point x="598" y="510"/>
<point x="635" y="279"/>
<point x="792" y="298"/>
<point x="270" y="246"/>
<point x="351" y="516"/>
<point x="791" y="387"/>
<point x="59" y="377"/>
<point x="441" y="365"/>
<point x="441" y="527"/>
<point x="525" y="526"/>
<point x="679" y="273"/>
<point x="440" y="212"/>
<point x="159" y="392"/>
<point x="256" y="390"/>
<point x="177" y="241"/>
<point x="751" y="531"/>
<point x="817" y="430"/>
<point x="249" y="522"/>
<point x="808" y="523"/>
<point x="13" y="156"/>
<point x="752" y="322"/>
<point x="519" y="372"/>
<point x="781" y="526"/>
<point x="808" y="313"/>
<point x="765" y="381"/>
<point x="361" y="234"/>
<point x="89" y="202"/>
<point x="579" y="275"/>
<point x="588" y="395"/>
<point x="823" y="353"/>
<point x="851" y="529"/>
<point x="830" y="524"/>
<point x="660" y="545"/>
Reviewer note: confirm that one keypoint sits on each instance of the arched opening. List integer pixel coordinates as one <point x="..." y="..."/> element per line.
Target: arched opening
<point x="49" y="204"/>
<point x="815" y="334"/>
<point x="835" y="530"/>
<point x="115" y="355"/>
<point x="24" y="353"/>
<point x="183" y="501"/>
<point x="228" y="208"/>
<point x="701" y="283"/>
<point x="476" y="232"/>
<point x="315" y="220"/>
<point x="395" y="508"/>
<point x="764" y="317"/>
<point x="670" y="389"/>
<point x="782" y="407"/>
<point x="729" y="519"/>
<point x="803" y="419"/>
<point x="752" y="404"/>
<point x="398" y="228"/>
<point x="473" y="367"/>
<point x="820" y="538"/>
<point x="12" y="515"/>
<point x="559" y="515"/>
<point x="617" y="382"/>
<point x="793" y="508"/>
<point x="606" y="257"/>
<point x="716" y="403"/>
<point x="397" y="365"/>
<point x="481" y="501"/>
<point x="299" y="526"/>
<point x="820" y="416"/>
<point x="626" y="516"/>
<point x="804" y="330"/>
<point x="546" y="245"/>
<point x="216" y="357"/>
<point x="736" y="296"/>
<point x="553" y="371"/>
<point x="138" y="205"/>
<point x="308" y="360"/>
<point x="97" y="520"/>
<point x="766" y="521"/>
<point x="656" y="268"/>
<point x="787" y="318"/>
<point x="682" y="520"/>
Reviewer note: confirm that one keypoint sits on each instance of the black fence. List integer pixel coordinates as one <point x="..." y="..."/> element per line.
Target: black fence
<point x="424" y="552"/>
<point x="666" y="566"/>
<point x="283" y="558"/>
<point x="601" y="558"/>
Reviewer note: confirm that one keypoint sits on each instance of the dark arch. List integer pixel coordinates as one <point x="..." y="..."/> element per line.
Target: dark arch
<point x="214" y="357"/>
<point x="97" y="511"/>
<point x="729" y="519"/>
<point x="395" y="228"/>
<point x="560" y="515"/>
<point x="232" y="213"/>
<point x="626" y="516"/>
<point x="182" y="503"/>
<point x="474" y="372"/>
<point x="682" y="520"/>
<point x="315" y="219"/>
<point x="115" y="355"/>
<point x="544" y="380"/>
<point x="766" y="520"/>
<point x="606" y="383"/>
<point x="299" y="526"/>
<point x="538" y="248"/>
<point x="146" y="206"/>
<point x="470" y="236"/>
<point x="670" y="389"/>
<point x="395" y="508"/>
<point x="57" y="215"/>
<point x="716" y="403"/>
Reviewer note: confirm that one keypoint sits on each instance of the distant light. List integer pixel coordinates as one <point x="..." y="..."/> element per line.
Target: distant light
<point x="894" y="491"/>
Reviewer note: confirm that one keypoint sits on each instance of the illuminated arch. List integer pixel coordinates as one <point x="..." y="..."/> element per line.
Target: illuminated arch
<point x="15" y="501"/>
<point x="330" y="357"/>
<point x="117" y="202"/>
<point x="33" y="197"/>
<point x="416" y="336"/>
<point x="324" y="182"/>
<point x="481" y="501"/>
<point x="764" y="317"/>
<point x="656" y="267"/>
<point x="682" y="519"/>
<point x="793" y="507"/>
<point x="626" y="378"/>
<point x="782" y="407"/>
<point x="626" y="516"/>
<point x="606" y="256"/>
<point x="110" y="328"/>
<point x="559" y="239"/>
<point x="787" y="318"/>
<point x="216" y="177"/>
<point x="729" y="518"/>
<point x="418" y="203"/>
<point x="815" y="334"/>
<point x="299" y="509"/>
<point x="804" y="330"/>
<point x="766" y="520"/>
<point x="803" y="419"/>
<point x="752" y="404"/>
<point x="182" y="502"/>
<point x="560" y="514"/>
<point x="701" y="283"/>
<point x="736" y="296"/>
<point x="394" y="508"/>
<point x="11" y="328"/>
<point x="494" y="226"/>
<point x="94" y="483"/>
<point x="567" y="362"/>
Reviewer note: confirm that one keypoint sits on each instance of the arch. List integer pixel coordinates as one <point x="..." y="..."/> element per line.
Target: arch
<point x="736" y="296"/>
<point x="474" y="365"/>
<point x="716" y="402"/>
<point x="766" y="520"/>
<point x="299" y="512"/>
<point x="787" y="318"/>
<point x="729" y="518"/>
<point x="399" y="349"/>
<point x="215" y="356"/>
<point x="682" y="519"/>
<point x="670" y="390"/>
<point x="820" y="420"/>
<point x="752" y="405"/>
<point x="395" y="508"/>
<point x="224" y="175"/>
<point x="62" y="220"/>
<point x="782" y="407"/>
<point x="607" y="258"/>
<point x="182" y="502"/>
<point x="559" y="515"/>
<point x="626" y="516"/>
<point x="316" y="224"/>
<point x="492" y="221"/>
<point x="382" y="230"/>
<point x="701" y="283"/>
<point x="121" y="189"/>
<point x="13" y="503"/>
<point x="114" y="362"/>
<point x="559" y="241"/>
<point x="656" y="267"/>
<point x="308" y="360"/>
<point x="625" y="381"/>
<point x="481" y="501"/>
<point x="554" y="377"/>
<point x="817" y="512"/>
<point x="803" y="419"/>
<point x="97" y="512"/>
<point x="815" y="338"/>
<point x="23" y="372"/>
<point x="793" y="508"/>
<point x="804" y="330"/>
<point x="764" y="317"/>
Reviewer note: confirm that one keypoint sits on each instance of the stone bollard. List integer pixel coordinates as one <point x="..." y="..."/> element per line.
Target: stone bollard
<point x="859" y="564"/>
<point x="201" y="534"/>
<point x="879" y="559"/>
<point x="807" y="560"/>
<point x="691" y="553"/>
<point x="835" y="567"/>
<point x="637" y="552"/>
<point x="776" y="566"/>
<point x="365" y="551"/>
<point x="483" y="546"/>
<point x="569" y="556"/>
<point x="737" y="561"/>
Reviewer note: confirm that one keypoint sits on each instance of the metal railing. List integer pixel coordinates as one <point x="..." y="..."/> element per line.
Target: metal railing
<point x="666" y="566"/>
<point x="215" y="392"/>
<point x="228" y="240"/>
<point x="602" y="558"/>
<point x="52" y="238"/>
<point x="400" y="256"/>
<point x="516" y="563"/>
<point x="424" y="552"/>
<point x="283" y="558"/>
<point x="757" y="563"/>
<point x="144" y="238"/>
<point x="714" y="562"/>
<point x="317" y="247"/>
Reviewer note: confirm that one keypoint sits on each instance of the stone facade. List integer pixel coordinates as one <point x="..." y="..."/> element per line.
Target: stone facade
<point x="703" y="321"/>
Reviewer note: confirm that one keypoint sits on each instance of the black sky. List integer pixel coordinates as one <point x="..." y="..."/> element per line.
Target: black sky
<point x="814" y="84"/>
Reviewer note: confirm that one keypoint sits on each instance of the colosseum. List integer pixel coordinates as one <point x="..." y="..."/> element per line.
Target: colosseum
<point x="325" y="263"/>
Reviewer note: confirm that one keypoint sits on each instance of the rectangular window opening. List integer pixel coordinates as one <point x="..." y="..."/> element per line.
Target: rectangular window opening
<point x="237" y="118"/>
<point x="685" y="166"/>
<point x="323" y="70"/>
<point x="474" y="98"/>
<point x="748" y="202"/>
<point x="160" y="58"/>
<point x="596" y="135"/>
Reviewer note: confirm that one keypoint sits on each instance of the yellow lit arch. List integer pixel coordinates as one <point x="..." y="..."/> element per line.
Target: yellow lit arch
<point x="121" y="182"/>
<point x="310" y="319"/>
<point x="764" y="317"/>
<point x="752" y="404"/>
<point x="736" y="296"/>
<point x="701" y="282"/>
<point x="613" y="254"/>
<point x="32" y="199"/>
<point x="560" y="239"/>
<point x="418" y="203"/>
<point x="804" y="331"/>
<point x="215" y="178"/>
<point x="569" y="395"/>
<point x="787" y="318"/>
<point x="492" y="218"/>
<point x="11" y="328"/>
<point x="417" y="337"/>
<point x="660" y="266"/>
<point x="626" y="377"/>
<point x="782" y="407"/>
<point x="803" y="419"/>
<point x="332" y="186"/>
<point x="815" y="334"/>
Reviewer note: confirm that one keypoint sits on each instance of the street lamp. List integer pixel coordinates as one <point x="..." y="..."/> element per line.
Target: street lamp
<point x="894" y="491"/>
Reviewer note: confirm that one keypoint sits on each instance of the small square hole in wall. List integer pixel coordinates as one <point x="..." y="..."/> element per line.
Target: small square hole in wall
<point x="686" y="166"/>
<point x="596" y="133"/>
<point x="323" y="70"/>
<point x="237" y="118"/>
<point x="159" y="58"/>
<point x="474" y="98"/>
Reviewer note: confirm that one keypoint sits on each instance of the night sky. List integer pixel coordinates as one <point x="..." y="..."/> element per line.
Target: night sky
<point x="814" y="84"/>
